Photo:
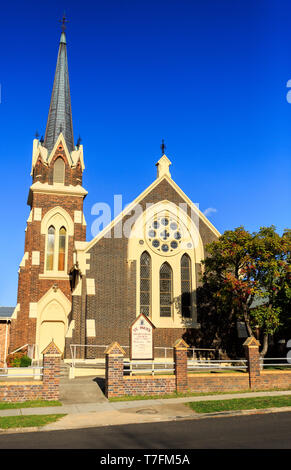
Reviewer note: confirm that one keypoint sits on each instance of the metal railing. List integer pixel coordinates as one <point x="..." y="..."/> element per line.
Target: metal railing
<point x="147" y="367"/>
<point x="195" y="353"/>
<point x="32" y="352"/>
<point x="12" y="372"/>
<point x="19" y="349"/>
<point x="198" y="353"/>
<point x="217" y="364"/>
<point x="276" y="362"/>
<point x="73" y="350"/>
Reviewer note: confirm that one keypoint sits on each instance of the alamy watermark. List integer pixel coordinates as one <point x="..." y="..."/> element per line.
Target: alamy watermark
<point x="135" y="220"/>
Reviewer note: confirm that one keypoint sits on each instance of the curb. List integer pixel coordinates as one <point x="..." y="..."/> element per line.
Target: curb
<point x="219" y="414"/>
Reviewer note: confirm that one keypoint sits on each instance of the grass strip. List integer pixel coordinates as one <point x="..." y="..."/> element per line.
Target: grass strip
<point x="190" y="394"/>
<point x="29" y="404"/>
<point x="8" y="422"/>
<point x="240" y="404"/>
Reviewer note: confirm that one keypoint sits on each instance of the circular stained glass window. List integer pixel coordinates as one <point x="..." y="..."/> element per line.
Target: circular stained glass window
<point x="165" y="234"/>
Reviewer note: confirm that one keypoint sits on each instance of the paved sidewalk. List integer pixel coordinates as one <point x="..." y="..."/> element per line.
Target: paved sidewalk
<point x="85" y="408"/>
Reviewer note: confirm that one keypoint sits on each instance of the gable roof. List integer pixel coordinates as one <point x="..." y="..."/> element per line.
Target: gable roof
<point x="6" y="312"/>
<point x="139" y="199"/>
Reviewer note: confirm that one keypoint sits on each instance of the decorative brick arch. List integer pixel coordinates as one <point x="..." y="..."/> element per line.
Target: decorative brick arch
<point x="137" y="244"/>
<point x="57" y="212"/>
<point x="53" y="307"/>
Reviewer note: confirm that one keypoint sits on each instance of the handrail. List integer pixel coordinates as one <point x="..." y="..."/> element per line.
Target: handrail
<point x="34" y="372"/>
<point x="24" y="346"/>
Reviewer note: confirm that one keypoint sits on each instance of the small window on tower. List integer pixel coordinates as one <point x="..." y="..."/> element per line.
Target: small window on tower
<point x="50" y="249"/>
<point x="59" y="171"/>
<point x="62" y="249"/>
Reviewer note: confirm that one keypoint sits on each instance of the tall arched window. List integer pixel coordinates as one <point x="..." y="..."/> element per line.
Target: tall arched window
<point x="50" y="248"/>
<point x="62" y="248"/>
<point x="166" y="290"/>
<point x="186" y="286"/>
<point x="145" y="284"/>
<point x="59" y="171"/>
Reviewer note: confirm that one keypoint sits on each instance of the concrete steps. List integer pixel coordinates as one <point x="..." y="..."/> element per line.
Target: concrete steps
<point x="64" y="369"/>
<point x="82" y="390"/>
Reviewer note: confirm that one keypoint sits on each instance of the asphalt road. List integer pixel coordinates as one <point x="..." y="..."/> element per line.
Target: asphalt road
<point x="269" y="431"/>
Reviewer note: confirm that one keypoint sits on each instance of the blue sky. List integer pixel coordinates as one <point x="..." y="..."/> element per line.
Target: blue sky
<point x="208" y="76"/>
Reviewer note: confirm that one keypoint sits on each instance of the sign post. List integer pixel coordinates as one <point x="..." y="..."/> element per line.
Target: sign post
<point x="141" y="339"/>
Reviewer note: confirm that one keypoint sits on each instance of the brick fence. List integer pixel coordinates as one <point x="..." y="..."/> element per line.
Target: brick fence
<point x="117" y="384"/>
<point x="30" y="389"/>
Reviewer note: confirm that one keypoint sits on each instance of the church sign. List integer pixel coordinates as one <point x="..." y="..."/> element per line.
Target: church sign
<point x="141" y="339"/>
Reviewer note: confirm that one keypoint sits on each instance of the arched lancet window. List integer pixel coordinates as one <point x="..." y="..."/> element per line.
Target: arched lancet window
<point x="50" y="248"/>
<point x="62" y="248"/>
<point x="186" y="286"/>
<point x="59" y="171"/>
<point x="145" y="283"/>
<point x="166" y="290"/>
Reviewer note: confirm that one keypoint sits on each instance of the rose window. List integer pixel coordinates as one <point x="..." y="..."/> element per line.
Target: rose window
<point x="165" y="234"/>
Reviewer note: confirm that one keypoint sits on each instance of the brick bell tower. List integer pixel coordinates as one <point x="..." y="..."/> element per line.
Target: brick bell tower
<point x="55" y="222"/>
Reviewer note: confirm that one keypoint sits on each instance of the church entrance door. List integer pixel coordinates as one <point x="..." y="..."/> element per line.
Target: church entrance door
<point x="52" y="330"/>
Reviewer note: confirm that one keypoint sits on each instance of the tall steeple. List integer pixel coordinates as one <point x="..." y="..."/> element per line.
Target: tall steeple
<point x="60" y="112"/>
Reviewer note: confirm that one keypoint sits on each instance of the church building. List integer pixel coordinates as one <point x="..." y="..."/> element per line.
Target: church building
<point x="86" y="293"/>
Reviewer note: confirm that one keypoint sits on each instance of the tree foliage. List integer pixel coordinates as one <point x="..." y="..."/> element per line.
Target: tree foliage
<point x="249" y="275"/>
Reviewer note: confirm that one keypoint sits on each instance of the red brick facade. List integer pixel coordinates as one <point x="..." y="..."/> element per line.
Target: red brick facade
<point x="180" y="364"/>
<point x="31" y="287"/>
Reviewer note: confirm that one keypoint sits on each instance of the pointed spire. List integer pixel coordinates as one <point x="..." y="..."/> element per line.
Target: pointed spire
<point x="60" y="111"/>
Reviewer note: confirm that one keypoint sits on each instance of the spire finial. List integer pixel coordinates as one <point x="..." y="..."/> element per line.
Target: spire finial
<point x="79" y="142"/>
<point x="163" y="147"/>
<point x="64" y="21"/>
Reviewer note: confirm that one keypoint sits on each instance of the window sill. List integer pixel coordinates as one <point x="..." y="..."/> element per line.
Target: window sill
<point x="54" y="275"/>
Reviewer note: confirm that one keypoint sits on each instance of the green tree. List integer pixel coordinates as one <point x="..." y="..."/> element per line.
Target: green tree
<point x="241" y="268"/>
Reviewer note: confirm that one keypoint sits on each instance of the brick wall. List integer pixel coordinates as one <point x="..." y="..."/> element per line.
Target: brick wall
<point x="117" y="384"/>
<point x="114" y="304"/>
<point x="31" y="288"/>
<point x="218" y="382"/>
<point x="27" y="389"/>
<point x="149" y="385"/>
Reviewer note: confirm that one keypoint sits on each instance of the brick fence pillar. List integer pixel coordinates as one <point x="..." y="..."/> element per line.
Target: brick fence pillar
<point x="251" y="346"/>
<point x="51" y="372"/>
<point x="114" y="385"/>
<point x="180" y="361"/>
